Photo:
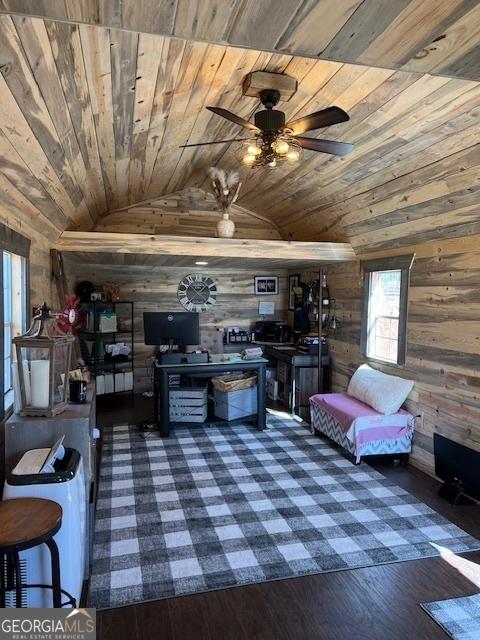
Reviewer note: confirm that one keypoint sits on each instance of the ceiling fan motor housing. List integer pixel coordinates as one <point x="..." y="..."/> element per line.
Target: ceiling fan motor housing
<point x="270" y="120"/>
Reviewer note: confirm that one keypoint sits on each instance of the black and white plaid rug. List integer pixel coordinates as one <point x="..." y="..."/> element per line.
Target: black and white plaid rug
<point x="211" y="508"/>
<point x="459" y="617"/>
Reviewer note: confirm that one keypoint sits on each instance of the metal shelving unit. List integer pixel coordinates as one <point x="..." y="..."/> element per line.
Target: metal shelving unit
<point x="95" y="360"/>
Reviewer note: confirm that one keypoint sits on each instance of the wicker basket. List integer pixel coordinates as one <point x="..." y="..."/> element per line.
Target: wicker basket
<point x="235" y="381"/>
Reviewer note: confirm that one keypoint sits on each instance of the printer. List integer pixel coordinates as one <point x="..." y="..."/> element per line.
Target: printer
<point x="272" y="331"/>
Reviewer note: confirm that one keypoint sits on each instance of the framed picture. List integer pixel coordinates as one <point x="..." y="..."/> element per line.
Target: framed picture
<point x="266" y="285"/>
<point x="293" y="281"/>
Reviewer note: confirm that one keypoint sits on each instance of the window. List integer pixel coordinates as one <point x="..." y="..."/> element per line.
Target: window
<point x="384" y="324"/>
<point x="14" y="314"/>
<point x="14" y="251"/>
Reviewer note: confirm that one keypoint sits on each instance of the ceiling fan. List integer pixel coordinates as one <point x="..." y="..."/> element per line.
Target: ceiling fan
<point x="273" y="140"/>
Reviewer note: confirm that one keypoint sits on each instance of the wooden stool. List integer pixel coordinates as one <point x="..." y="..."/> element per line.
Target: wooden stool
<point x="27" y="523"/>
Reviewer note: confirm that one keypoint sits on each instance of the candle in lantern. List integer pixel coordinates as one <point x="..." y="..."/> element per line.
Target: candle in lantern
<point x="26" y="382"/>
<point x="39" y="383"/>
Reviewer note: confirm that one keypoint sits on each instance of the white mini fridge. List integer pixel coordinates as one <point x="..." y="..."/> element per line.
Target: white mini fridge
<point x="61" y="481"/>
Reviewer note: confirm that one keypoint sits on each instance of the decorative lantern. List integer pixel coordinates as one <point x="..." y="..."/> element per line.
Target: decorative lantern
<point x="43" y="360"/>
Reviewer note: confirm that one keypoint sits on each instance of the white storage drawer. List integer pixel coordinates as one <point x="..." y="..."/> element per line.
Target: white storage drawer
<point x="188" y="404"/>
<point x="232" y="405"/>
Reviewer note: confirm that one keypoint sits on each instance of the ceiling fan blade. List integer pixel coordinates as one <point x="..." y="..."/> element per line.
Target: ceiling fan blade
<point x="233" y="118"/>
<point x="318" y="120"/>
<point x="325" y="146"/>
<point x="202" y="144"/>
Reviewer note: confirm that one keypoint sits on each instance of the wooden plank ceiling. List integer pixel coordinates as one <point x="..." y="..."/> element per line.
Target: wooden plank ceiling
<point x="91" y="120"/>
<point x="435" y="36"/>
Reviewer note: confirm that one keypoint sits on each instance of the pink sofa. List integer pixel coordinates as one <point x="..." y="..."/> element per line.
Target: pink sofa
<point x="358" y="428"/>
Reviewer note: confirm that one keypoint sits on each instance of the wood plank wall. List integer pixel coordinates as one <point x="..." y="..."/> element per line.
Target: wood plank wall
<point x="443" y="340"/>
<point x="189" y="212"/>
<point x="42" y="238"/>
<point x="154" y="288"/>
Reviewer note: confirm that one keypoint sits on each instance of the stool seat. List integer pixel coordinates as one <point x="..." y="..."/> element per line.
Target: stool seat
<point x="27" y="522"/>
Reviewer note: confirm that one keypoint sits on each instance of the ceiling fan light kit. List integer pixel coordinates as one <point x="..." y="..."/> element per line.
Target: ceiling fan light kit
<point x="273" y="140"/>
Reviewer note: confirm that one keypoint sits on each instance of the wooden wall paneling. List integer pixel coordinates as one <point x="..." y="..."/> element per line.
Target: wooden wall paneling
<point x="303" y="30"/>
<point x="158" y="14"/>
<point x="67" y="51"/>
<point x="28" y="186"/>
<point x="442" y="339"/>
<point x="96" y="54"/>
<point x="259" y="25"/>
<point x="402" y="111"/>
<point x="204" y="91"/>
<point x="150" y="51"/>
<point x="30" y="114"/>
<point x="408" y="31"/>
<point x="171" y="60"/>
<point x="87" y="10"/>
<point x="421" y="118"/>
<point x="419" y="35"/>
<point x="192" y="63"/>
<point x="36" y="45"/>
<point x="421" y="184"/>
<point x="123" y="57"/>
<point x="17" y="208"/>
<point x="205" y="20"/>
<point x="421" y="161"/>
<point x="439" y="53"/>
<point x="19" y="215"/>
<point x="189" y="212"/>
<point x="155" y="289"/>
<point x="363" y="27"/>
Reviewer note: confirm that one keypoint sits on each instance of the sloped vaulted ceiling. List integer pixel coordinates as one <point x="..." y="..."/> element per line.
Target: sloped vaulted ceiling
<point x="91" y="119"/>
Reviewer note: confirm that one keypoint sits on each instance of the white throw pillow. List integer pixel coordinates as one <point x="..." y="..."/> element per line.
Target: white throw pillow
<point x="384" y="393"/>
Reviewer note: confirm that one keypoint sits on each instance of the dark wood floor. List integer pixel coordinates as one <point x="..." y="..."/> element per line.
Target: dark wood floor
<point x="375" y="603"/>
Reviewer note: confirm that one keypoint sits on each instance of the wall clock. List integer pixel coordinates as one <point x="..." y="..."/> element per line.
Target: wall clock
<point x="196" y="292"/>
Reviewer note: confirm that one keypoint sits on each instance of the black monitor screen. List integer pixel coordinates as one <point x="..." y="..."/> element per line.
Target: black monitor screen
<point x="171" y="328"/>
<point x="453" y="460"/>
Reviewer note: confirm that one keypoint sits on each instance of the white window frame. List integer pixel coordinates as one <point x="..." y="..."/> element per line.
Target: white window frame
<point x="401" y="264"/>
<point x="18" y="246"/>
<point x="15" y="291"/>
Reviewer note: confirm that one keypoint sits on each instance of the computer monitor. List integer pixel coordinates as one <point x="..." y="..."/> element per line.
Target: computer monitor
<point x="179" y="329"/>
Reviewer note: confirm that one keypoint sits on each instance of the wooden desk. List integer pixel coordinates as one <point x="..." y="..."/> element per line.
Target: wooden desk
<point x="205" y="370"/>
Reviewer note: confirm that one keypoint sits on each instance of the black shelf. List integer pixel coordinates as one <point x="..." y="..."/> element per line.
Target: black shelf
<point x="96" y="362"/>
